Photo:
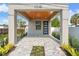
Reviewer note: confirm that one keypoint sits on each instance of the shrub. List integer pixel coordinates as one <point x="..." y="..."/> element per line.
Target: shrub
<point x="3" y="39"/>
<point x="77" y="52"/>
<point x="70" y="40"/>
<point x="20" y="33"/>
<point x="72" y="51"/>
<point x="69" y="49"/>
<point x="56" y="35"/>
<point x="2" y="43"/>
<point x="55" y="22"/>
<point x="74" y="42"/>
<point x="4" y="50"/>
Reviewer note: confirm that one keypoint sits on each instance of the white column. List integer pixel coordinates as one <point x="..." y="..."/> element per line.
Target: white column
<point x="50" y="27"/>
<point x="64" y="26"/>
<point x="12" y="27"/>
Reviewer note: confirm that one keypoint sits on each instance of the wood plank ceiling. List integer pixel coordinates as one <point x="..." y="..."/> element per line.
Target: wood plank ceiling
<point x="39" y="14"/>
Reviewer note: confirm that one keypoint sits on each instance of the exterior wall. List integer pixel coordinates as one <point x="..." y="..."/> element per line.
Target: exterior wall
<point x="32" y="29"/>
<point x="74" y="32"/>
<point x="55" y="29"/>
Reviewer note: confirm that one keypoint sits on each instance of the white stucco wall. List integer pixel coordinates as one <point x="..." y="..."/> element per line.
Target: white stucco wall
<point x="43" y="6"/>
<point x="74" y="32"/>
<point x="55" y="29"/>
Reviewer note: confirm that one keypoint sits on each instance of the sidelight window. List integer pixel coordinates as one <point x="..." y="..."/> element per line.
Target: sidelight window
<point x="38" y="25"/>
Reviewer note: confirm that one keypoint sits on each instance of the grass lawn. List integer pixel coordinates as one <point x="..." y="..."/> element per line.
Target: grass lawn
<point x="2" y="36"/>
<point x="38" y="51"/>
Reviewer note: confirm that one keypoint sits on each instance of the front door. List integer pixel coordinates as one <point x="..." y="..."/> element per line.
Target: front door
<point x="45" y="27"/>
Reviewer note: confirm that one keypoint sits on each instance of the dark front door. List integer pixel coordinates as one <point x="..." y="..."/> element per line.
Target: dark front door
<point x="45" y="27"/>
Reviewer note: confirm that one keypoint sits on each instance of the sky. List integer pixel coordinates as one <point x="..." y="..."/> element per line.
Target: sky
<point x="73" y="8"/>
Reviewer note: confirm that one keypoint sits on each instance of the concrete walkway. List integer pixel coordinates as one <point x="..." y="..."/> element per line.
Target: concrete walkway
<point x="25" y="46"/>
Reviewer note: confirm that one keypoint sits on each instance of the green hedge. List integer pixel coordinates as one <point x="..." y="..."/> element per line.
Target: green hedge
<point x="3" y="40"/>
<point x="74" y="42"/>
<point x="55" y="22"/>
<point x="56" y="35"/>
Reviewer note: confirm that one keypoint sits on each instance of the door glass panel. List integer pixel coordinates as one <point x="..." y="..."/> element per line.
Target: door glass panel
<point x="45" y="27"/>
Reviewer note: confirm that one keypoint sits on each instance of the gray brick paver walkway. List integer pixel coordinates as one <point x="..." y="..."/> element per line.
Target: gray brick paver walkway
<point x="24" y="47"/>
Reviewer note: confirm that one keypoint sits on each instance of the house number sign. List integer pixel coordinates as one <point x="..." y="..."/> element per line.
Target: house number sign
<point x="37" y="6"/>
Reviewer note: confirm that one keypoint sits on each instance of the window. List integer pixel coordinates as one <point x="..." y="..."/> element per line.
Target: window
<point x="38" y="25"/>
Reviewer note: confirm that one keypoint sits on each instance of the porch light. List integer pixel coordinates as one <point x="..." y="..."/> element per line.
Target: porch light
<point x="51" y="12"/>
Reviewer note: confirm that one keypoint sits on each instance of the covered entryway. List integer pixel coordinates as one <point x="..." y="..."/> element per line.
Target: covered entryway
<point x="38" y="13"/>
<point x="39" y="20"/>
